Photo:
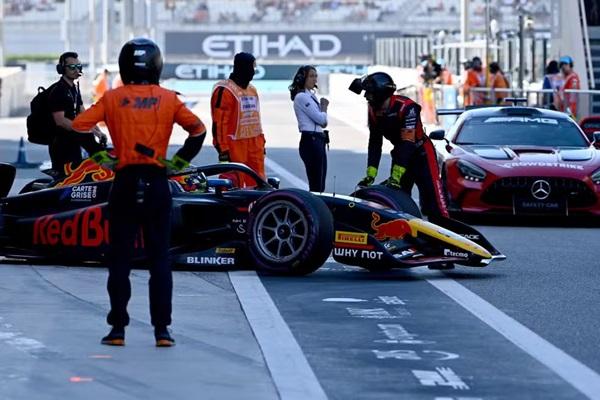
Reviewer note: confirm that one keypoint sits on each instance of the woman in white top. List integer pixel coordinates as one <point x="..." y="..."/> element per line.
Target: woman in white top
<point x="312" y="118"/>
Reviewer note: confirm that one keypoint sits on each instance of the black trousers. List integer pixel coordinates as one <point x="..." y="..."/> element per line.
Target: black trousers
<point x="312" y="152"/>
<point x="140" y="201"/>
<point x="66" y="148"/>
<point x="423" y="170"/>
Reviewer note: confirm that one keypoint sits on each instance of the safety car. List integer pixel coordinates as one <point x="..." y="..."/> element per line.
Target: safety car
<point x="519" y="161"/>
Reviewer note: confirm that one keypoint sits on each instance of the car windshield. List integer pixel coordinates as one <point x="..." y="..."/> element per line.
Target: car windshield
<point x="520" y="131"/>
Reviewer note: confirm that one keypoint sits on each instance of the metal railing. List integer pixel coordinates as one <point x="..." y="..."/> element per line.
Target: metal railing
<point x="433" y="97"/>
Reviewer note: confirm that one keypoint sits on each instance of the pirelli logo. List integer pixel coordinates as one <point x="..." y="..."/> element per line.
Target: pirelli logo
<point x="350" y="237"/>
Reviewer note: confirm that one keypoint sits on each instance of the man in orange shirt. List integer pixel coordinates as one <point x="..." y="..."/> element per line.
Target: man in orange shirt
<point x="567" y="102"/>
<point x="235" y="109"/>
<point x="497" y="81"/>
<point x="475" y="78"/>
<point x="100" y="85"/>
<point x="140" y="117"/>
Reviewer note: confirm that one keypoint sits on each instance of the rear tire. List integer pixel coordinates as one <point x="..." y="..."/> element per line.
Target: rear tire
<point x="395" y="199"/>
<point x="291" y="232"/>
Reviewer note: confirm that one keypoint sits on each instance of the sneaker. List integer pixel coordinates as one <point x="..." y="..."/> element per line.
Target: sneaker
<point x="116" y="337"/>
<point x="163" y="337"/>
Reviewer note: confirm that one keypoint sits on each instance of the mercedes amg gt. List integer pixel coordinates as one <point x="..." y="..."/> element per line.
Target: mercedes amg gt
<point x="520" y="161"/>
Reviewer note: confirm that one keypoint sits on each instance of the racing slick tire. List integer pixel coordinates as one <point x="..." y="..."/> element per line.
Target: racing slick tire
<point x="395" y="199"/>
<point x="291" y="232"/>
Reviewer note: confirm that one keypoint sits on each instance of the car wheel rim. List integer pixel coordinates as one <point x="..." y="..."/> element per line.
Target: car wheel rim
<point x="281" y="231"/>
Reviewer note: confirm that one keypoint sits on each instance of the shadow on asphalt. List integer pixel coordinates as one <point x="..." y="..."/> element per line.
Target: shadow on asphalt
<point x="392" y="275"/>
<point x="532" y="221"/>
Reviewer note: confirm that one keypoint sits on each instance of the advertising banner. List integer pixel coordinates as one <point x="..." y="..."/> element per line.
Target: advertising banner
<point x="201" y="71"/>
<point x="273" y="45"/>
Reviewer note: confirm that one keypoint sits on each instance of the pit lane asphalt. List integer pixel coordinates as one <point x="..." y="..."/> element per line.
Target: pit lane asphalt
<point x="548" y="283"/>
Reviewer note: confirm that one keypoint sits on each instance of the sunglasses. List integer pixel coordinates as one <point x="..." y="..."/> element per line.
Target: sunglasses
<point x="73" y="67"/>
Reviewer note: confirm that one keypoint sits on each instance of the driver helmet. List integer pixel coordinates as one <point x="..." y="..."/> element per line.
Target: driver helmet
<point x="193" y="182"/>
<point x="378" y="86"/>
<point x="140" y="61"/>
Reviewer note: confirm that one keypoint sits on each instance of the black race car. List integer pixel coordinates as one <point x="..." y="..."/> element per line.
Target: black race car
<point x="219" y="226"/>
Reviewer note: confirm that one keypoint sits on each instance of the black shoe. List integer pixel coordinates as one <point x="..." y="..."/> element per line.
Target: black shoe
<point x="163" y="337"/>
<point x="116" y="337"/>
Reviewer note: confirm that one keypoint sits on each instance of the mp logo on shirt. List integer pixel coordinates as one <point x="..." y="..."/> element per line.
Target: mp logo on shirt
<point x="249" y="103"/>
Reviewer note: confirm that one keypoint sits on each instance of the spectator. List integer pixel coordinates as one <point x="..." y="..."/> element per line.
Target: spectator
<point x="553" y="80"/>
<point x="567" y="102"/>
<point x="497" y="81"/>
<point x="475" y="79"/>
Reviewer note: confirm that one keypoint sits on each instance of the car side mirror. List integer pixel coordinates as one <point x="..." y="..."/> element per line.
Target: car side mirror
<point x="274" y="182"/>
<point x="596" y="139"/>
<point x="437" y="134"/>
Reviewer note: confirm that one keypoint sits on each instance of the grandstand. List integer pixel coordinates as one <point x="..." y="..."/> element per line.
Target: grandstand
<point x="31" y="26"/>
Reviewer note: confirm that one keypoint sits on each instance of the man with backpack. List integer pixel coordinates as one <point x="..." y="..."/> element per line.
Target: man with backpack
<point x="53" y="111"/>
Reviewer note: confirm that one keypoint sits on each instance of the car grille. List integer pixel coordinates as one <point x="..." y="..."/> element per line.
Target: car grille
<point x="501" y="192"/>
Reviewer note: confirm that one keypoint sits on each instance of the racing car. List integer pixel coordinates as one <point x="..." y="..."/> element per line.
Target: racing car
<point x="519" y="161"/>
<point x="219" y="226"/>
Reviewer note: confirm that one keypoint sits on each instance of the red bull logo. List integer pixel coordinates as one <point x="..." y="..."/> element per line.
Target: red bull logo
<point x="87" y="171"/>
<point x="395" y="229"/>
<point x="87" y="228"/>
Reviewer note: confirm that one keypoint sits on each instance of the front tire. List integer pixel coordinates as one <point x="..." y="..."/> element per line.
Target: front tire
<point x="291" y="232"/>
<point x="395" y="199"/>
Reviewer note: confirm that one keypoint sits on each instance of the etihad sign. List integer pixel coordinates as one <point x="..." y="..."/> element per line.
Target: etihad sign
<point x="262" y="45"/>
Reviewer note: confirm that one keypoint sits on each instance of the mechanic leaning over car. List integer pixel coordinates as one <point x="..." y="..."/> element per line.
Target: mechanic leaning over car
<point x="397" y="118"/>
<point x="237" y="131"/>
<point x="65" y="104"/>
<point x="140" y="118"/>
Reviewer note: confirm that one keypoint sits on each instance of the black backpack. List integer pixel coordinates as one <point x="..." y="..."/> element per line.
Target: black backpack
<point x="41" y="128"/>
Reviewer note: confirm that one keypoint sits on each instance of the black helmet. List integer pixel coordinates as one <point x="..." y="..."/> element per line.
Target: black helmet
<point x="378" y="86"/>
<point x="140" y="61"/>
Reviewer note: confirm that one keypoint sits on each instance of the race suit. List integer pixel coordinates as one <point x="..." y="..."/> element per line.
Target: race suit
<point x="568" y="101"/>
<point x="236" y="128"/>
<point x="474" y="79"/>
<point x="401" y="124"/>
<point x="140" y="122"/>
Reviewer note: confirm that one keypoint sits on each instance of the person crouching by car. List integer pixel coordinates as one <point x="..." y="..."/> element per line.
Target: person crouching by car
<point x="397" y="118"/>
<point x="311" y="114"/>
<point x="140" y="117"/>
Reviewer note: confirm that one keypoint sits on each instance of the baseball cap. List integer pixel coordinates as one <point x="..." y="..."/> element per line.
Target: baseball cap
<point x="565" y="60"/>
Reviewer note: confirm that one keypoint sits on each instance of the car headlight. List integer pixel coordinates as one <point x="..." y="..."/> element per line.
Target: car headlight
<point x="471" y="171"/>
<point x="596" y="177"/>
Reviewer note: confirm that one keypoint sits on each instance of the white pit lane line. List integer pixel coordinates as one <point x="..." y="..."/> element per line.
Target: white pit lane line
<point x="293" y="376"/>
<point x="577" y="374"/>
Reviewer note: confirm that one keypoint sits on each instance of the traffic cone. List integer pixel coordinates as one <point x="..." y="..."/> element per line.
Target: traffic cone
<point x="22" y="158"/>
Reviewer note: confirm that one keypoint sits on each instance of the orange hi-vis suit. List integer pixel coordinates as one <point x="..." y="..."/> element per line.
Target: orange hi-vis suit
<point x="140" y="115"/>
<point x="474" y="79"/>
<point x="498" y="81"/>
<point x="236" y="126"/>
<point x="100" y="85"/>
<point x="569" y="100"/>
